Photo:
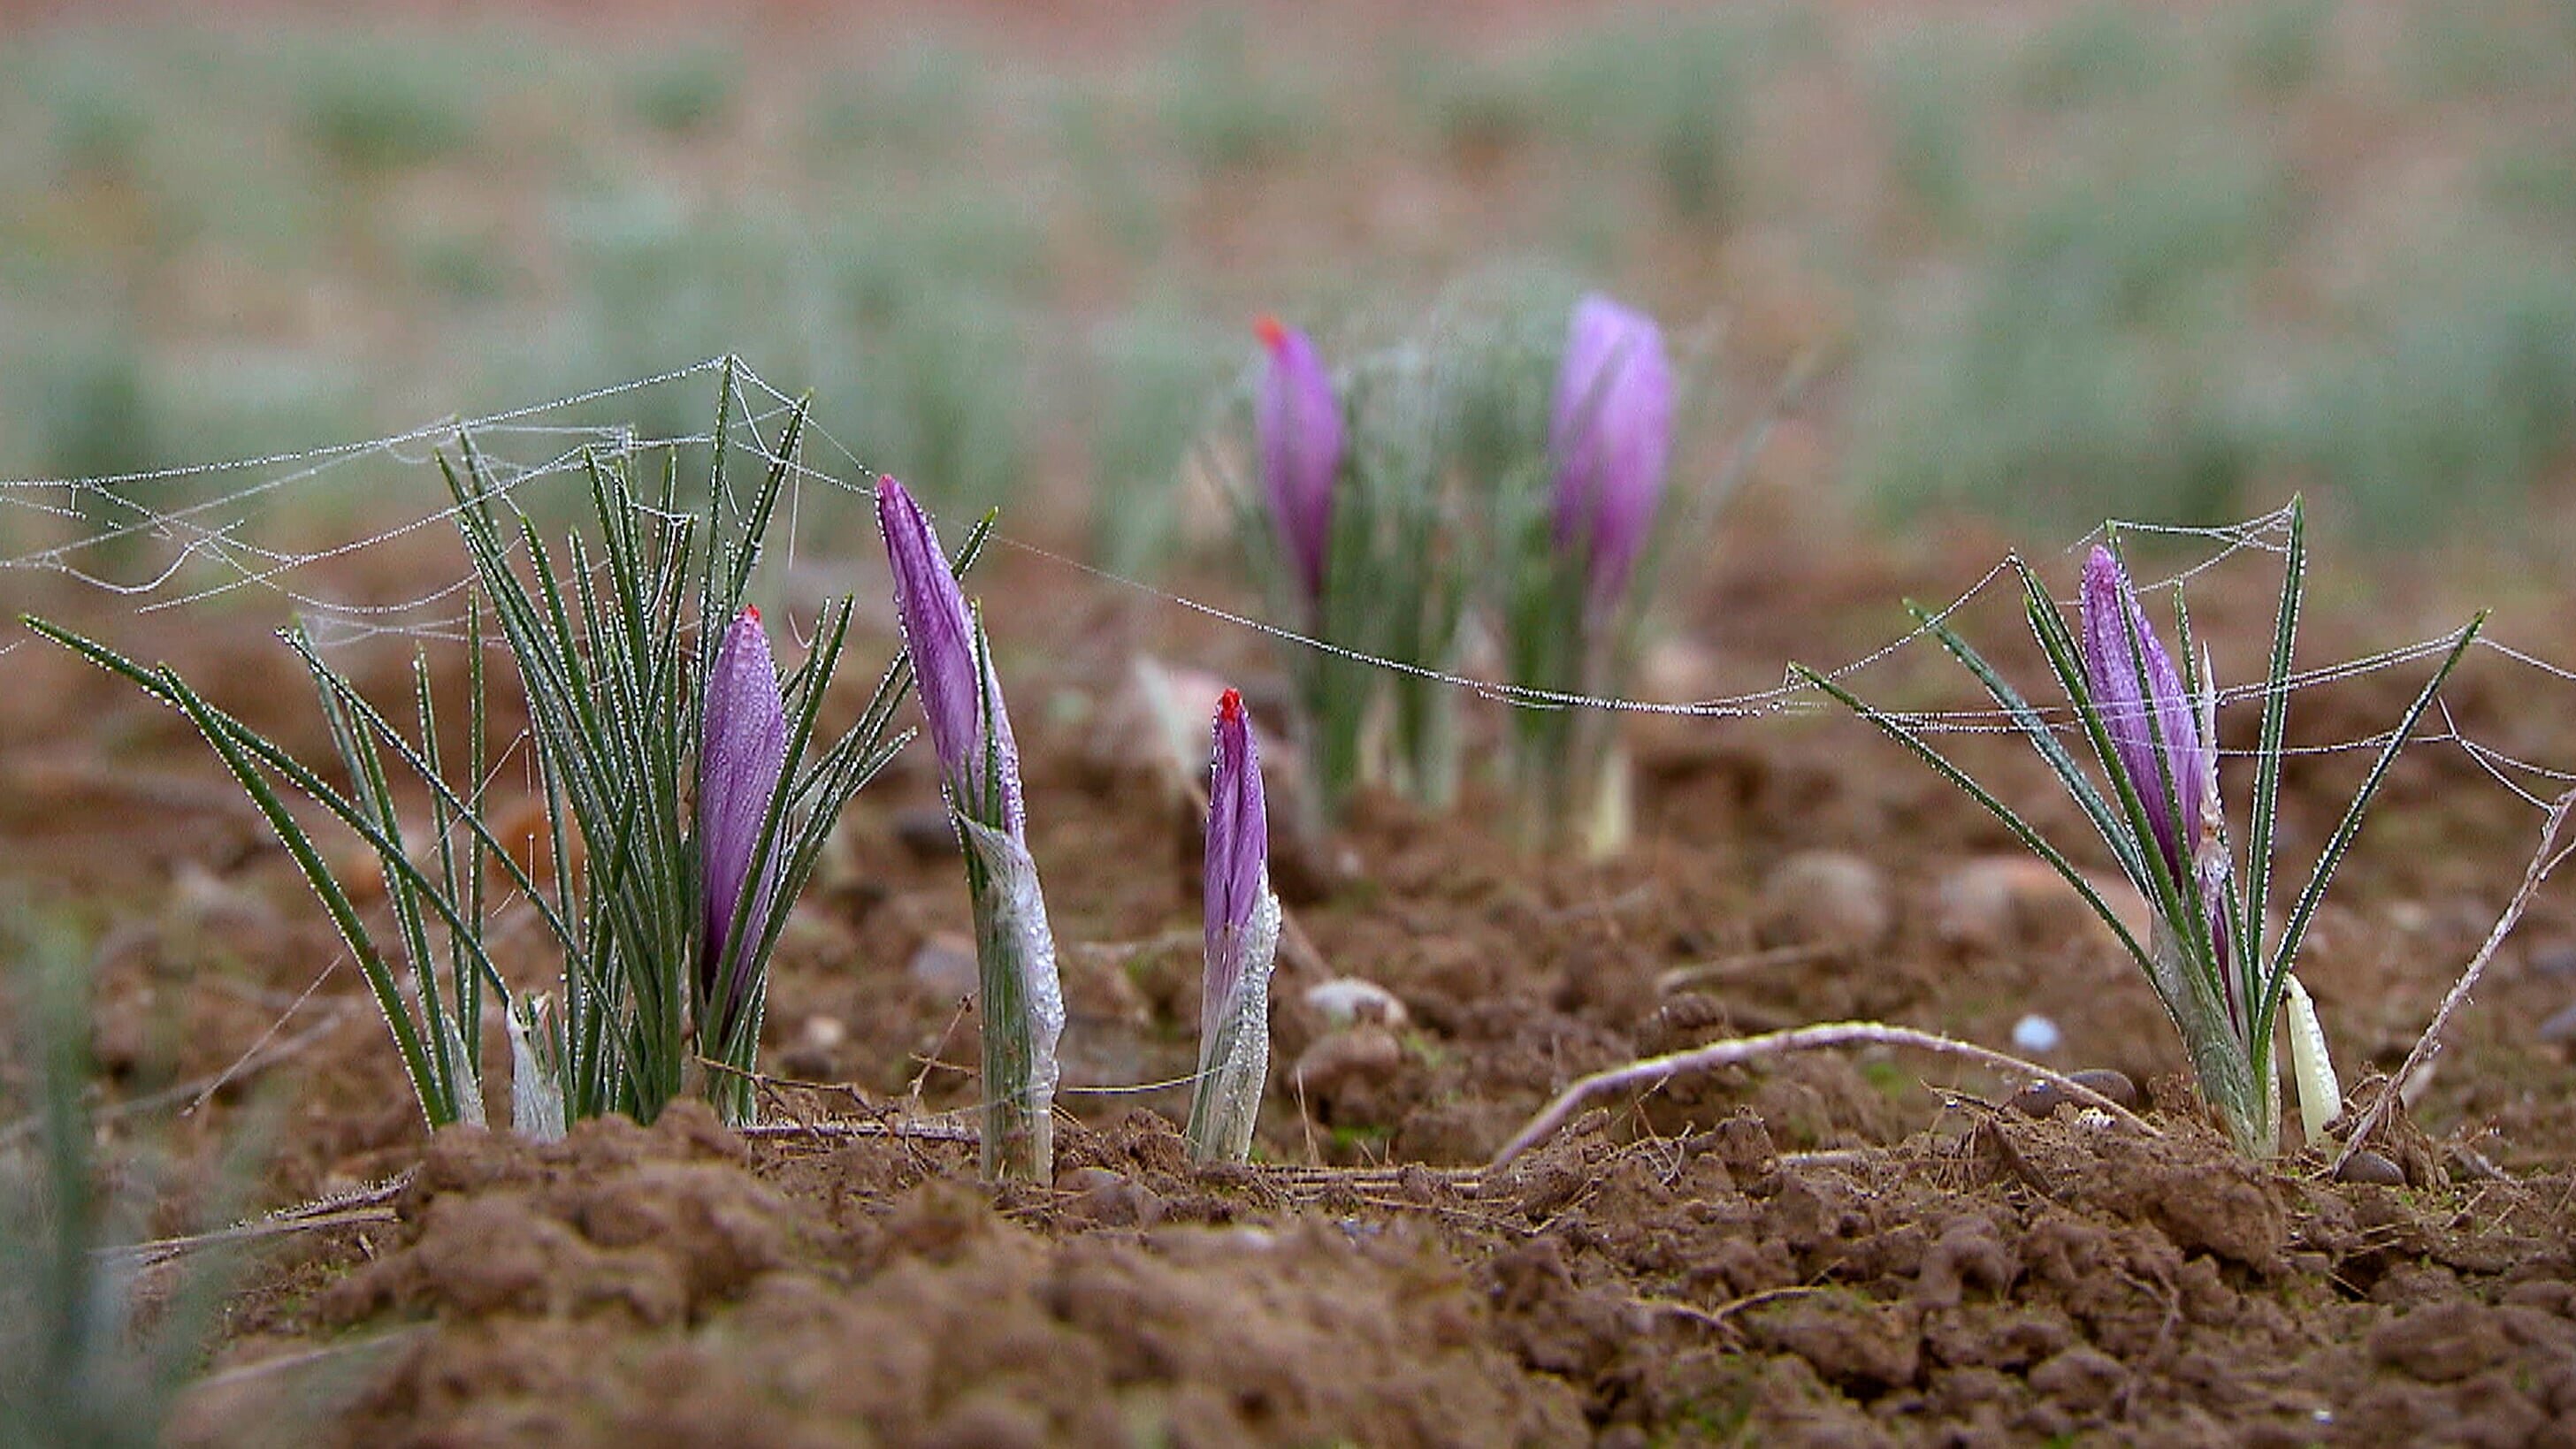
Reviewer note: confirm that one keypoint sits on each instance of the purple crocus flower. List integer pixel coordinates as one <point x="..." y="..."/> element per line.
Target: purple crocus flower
<point x="949" y="671"/>
<point x="2116" y="641"/>
<point x="1237" y="874"/>
<point x="2118" y="645"/>
<point x="1611" y="435"/>
<point x="742" y="749"/>
<point x="1300" y="424"/>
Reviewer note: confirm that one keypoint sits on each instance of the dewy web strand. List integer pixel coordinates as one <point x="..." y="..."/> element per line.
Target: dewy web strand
<point x="220" y="532"/>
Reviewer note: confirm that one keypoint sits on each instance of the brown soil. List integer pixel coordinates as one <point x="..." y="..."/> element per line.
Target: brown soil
<point x="1832" y="1249"/>
<point x="2011" y="1281"/>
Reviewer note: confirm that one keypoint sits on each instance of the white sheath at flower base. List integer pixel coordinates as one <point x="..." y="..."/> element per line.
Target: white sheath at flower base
<point x="2320" y="1095"/>
<point x="1234" y="1056"/>
<point x="1024" y="1019"/>
<point x="469" y="1087"/>
<point x="1242" y="923"/>
<point x="536" y="1096"/>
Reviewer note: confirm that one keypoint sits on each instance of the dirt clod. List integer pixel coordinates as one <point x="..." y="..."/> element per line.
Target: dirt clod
<point x="2440" y="1343"/>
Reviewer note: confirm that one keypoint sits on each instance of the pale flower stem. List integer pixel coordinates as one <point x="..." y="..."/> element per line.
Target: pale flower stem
<point x="1022" y="1005"/>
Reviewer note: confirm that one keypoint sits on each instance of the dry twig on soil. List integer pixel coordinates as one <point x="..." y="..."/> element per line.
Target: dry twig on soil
<point x="2545" y="858"/>
<point x="1655" y="1071"/>
<point x="370" y="1204"/>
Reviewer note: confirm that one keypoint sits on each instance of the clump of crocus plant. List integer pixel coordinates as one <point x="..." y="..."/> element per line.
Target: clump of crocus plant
<point x="1578" y="562"/>
<point x="2152" y="729"/>
<point x="1242" y="943"/>
<point x="1018" y="994"/>
<point x="664" y="908"/>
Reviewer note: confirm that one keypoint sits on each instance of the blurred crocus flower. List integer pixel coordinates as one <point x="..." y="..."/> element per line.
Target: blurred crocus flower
<point x="1611" y="435"/>
<point x="742" y="749"/>
<point x="960" y="700"/>
<point x="1242" y="925"/>
<point x="1300" y="424"/>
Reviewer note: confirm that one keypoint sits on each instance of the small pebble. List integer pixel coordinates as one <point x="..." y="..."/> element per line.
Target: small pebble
<point x="202" y="900"/>
<point x="2036" y="1035"/>
<point x="2039" y="1099"/>
<point x="1345" y="1000"/>
<point x="1826" y="898"/>
<point x="1996" y="902"/>
<point x="2112" y="1084"/>
<point x="1352" y="1054"/>
<point x="2373" y="1168"/>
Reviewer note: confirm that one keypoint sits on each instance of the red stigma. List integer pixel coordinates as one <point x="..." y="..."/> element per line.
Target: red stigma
<point x="1267" y="328"/>
<point x="752" y="612"/>
<point x="1229" y="707"/>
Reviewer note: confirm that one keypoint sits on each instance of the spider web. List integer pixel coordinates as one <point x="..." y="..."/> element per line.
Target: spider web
<point x="195" y="537"/>
<point x="179" y="538"/>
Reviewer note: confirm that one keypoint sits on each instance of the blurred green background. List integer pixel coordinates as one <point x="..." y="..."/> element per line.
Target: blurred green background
<point x="2064" y="260"/>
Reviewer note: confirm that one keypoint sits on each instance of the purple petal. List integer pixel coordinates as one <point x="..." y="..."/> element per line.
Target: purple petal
<point x="942" y="634"/>
<point x="1300" y="424"/>
<point x="1611" y="435"/>
<point x="742" y="750"/>
<point x="1237" y="873"/>
<point x="2116" y="636"/>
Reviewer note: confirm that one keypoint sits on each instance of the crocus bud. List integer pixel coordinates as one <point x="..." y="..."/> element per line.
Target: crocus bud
<point x="960" y="700"/>
<point x="1242" y="942"/>
<point x="2119" y="647"/>
<point x="742" y="748"/>
<point x="1237" y="873"/>
<point x="1610" y="434"/>
<point x="1300" y="424"/>
<point x="1017" y="991"/>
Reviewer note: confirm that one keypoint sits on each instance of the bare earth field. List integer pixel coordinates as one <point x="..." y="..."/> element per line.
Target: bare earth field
<point x="1844" y="1247"/>
<point x="1835" y="1248"/>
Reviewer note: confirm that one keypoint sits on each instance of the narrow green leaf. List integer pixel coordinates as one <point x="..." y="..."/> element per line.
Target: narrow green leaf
<point x="2269" y="749"/>
<point x="2043" y="738"/>
<point x="435" y="1106"/>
